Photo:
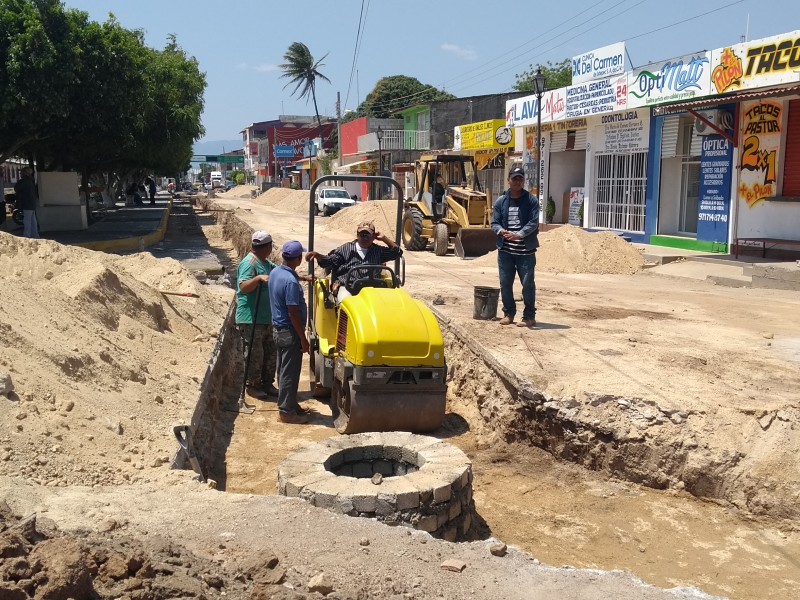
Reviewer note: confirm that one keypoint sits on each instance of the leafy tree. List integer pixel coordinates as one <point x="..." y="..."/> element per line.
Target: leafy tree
<point x="302" y="70"/>
<point x="557" y="75"/>
<point x="394" y="93"/>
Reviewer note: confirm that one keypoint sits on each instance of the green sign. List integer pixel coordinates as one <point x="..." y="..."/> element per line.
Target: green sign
<point x="224" y="159"/>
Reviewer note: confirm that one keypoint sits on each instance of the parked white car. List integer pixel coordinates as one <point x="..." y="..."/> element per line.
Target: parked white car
<point x="332" y="199"/>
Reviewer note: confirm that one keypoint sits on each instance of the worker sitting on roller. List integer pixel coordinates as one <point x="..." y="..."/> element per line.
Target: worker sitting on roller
<point x="361" y="251"/>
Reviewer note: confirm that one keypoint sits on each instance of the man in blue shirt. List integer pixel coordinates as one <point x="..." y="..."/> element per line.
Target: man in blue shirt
<point x="515" y="220"/>
<point x="289" y="316"/>
<point x="253" y="273"/>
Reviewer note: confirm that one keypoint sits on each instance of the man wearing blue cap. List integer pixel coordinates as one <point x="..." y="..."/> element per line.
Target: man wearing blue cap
<point x="289" y="315"/>
<point x="515" y="220"/>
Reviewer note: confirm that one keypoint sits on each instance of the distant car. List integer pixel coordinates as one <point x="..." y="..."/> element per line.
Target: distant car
<point x="332" y="199"/>
<point x="229" y="184"/>
<point x="207" y="186"/>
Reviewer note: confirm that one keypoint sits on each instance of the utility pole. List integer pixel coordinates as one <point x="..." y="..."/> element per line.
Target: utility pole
<point x="339" y="129"/>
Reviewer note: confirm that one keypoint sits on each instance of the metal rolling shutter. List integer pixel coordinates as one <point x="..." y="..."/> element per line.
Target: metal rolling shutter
<point x="580" y="139"/>
<point x="791" y="165"/>
<point x="558" y="143"/>
<point x="669" y="136"/>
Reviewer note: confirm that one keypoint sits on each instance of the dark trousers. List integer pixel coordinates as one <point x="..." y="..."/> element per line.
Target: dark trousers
<point x="261" y="373"/>
<point x="290" y="361"/>
<point x="511" y="265"/>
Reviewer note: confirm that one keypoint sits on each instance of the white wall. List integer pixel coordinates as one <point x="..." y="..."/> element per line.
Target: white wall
<point x="669" y="196"/>
<point x="61" y="207"/>
<point x="567" y="169"/>
<point x="769" y="219"/>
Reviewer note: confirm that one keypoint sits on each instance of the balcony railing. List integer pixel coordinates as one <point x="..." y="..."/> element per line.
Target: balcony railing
<point x="395" y="139"/>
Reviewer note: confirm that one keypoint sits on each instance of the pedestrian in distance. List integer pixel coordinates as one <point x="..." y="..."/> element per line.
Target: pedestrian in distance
<point x="361" y="251"/>
<point x="254" y="316"/>
<point x="25" y="189"/>
<point x="515" y="220"/>
<point x="289" y="316"/>
<point x="151" y="187"/>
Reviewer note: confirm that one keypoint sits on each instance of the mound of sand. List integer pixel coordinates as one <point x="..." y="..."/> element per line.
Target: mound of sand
<point x="569" y="249"/>
<point x="383" y="213"/>
<point x="285" y="199"/>
<point x="239" y="191"/>
<point x="101" y="361"/>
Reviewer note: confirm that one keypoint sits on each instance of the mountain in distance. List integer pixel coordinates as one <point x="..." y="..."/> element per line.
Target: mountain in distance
<point x="213" y="147"/>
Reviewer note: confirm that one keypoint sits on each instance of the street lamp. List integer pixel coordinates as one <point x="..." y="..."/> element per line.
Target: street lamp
<point x="539" y="83"/>
<point x="379" y="135"/>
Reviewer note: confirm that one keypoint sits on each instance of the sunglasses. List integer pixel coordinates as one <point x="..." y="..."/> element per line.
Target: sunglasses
<point x="364" y="234"/>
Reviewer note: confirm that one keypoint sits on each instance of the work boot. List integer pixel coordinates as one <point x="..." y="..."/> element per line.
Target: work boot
<point x="271" y="390"/>
<point x="293" y="419"/>
<point x="506" y="320"/>
<point x="255" y="392"/>
<point x="529" y="323"/>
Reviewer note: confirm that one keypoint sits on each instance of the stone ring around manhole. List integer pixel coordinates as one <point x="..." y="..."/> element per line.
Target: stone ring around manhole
<point x="424" y="483"/>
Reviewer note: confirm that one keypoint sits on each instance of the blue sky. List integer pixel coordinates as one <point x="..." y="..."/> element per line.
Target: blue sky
<point x="467" y="47"/>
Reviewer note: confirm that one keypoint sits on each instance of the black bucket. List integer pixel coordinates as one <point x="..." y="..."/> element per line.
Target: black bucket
<point x="485" y="307"/>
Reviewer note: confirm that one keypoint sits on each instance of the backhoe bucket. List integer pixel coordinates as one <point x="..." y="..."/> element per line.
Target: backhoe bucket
<point x="471" y="242"/>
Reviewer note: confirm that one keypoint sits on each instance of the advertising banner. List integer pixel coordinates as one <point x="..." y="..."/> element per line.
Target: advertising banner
<point x="758" y="152"/>
<point x="716" y="162"/>
<point x="625" y="132"/>
<point x="598" y="64"/>
<point x="597" y="97"/>
<point x="483" y="135"/>
<point x="676" y="79"/>
<point x="524" y="111"/>
<point x="576" y="198"/>
<point x="760" y="63"/>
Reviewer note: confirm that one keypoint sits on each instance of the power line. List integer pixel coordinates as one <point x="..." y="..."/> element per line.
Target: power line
<point x="355" y="53"/>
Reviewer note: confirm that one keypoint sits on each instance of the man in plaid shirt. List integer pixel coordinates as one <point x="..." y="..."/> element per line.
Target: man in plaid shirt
<point x="361" y="251"/>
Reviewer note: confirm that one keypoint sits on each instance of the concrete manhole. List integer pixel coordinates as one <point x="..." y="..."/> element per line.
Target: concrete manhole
<point x="398" y="478"/>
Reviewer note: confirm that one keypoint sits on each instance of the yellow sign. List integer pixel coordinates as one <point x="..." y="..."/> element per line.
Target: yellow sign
<point x="484" y="135"/>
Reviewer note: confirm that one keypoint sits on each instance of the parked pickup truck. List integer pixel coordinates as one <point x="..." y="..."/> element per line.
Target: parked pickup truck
<point x="332" y="199"/>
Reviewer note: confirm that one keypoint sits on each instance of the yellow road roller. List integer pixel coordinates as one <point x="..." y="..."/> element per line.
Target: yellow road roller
<point x="380" y="353"/>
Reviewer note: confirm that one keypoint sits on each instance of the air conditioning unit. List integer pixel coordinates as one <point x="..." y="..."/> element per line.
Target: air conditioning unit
<point x="722" y="119"/>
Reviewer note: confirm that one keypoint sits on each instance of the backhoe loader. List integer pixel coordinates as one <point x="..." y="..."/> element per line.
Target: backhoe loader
<point x="380" y="353"/>
<point x="454" y="211"/>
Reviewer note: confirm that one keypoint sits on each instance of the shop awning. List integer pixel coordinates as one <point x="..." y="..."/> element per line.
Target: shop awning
<point x="303" y="165"/>
<point x="708" y="102"/>
<point x="362" y="166"/>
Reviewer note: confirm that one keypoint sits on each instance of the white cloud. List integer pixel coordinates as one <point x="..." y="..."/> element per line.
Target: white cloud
<point x="265" y="68"/>
<point x="462" y="53"/>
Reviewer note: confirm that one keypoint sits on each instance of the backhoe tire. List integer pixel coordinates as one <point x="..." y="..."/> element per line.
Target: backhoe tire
<point x="412" y="230"/>
<point x="441" y="239"/>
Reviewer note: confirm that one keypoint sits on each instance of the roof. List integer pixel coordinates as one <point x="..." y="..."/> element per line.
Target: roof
<point x="362" y="166"/>
<point x="736" y="97"/>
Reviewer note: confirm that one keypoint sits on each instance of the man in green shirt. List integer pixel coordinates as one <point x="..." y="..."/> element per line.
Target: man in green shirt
<point x="251" y="289"/>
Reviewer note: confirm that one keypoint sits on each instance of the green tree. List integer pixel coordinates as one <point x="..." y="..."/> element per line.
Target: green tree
<point x="394" y="93"/>
<point x="557" y="75"/>
<point x="302" y="70"/>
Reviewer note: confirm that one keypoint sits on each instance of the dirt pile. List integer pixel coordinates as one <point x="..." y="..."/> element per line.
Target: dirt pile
<point x="101" y="361"/>
<point x="381" y="212"/>
<point x="239" y="191"/>
<point x="285" y="199"/>
<point x="569" y="249"/>
<point x="38" y="561"/>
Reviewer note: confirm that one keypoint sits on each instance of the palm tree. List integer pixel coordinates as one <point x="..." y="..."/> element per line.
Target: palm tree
<point x="302" y="71"/>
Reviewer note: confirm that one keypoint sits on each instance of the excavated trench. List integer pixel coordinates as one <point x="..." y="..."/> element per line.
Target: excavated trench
<point x="507" y="404"/>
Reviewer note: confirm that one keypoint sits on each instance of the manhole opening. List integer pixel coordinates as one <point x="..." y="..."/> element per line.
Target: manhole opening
<point x="365" y="461"/>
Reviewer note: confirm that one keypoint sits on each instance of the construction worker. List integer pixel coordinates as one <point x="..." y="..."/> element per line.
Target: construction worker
<point x="254" y="316"/>
<point x="289" y="319"/>
<point x="361" y="251"/>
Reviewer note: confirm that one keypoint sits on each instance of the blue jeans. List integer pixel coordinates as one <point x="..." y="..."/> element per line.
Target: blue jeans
<point x="509" y="266"/>
<point x="290" y="360"/>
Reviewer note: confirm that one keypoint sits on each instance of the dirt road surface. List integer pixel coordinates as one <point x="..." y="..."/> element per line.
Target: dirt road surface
<point x="103" y="365"/>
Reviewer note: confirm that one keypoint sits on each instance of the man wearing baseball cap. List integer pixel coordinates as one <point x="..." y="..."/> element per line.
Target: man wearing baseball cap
<point x="253" y="312"/>
<point x="289" y="315"/>
<point x="361" y="251"/>
<point x="515" y="220"/>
